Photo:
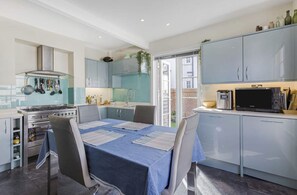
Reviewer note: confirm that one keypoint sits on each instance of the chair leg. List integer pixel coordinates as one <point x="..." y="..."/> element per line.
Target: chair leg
<point x="95" y="188"/>
<point x="192" y="180"/>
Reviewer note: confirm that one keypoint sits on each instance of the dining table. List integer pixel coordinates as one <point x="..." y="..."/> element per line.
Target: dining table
<point x="133" y="168"/>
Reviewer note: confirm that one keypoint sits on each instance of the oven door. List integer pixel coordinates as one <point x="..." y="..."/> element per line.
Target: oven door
<point x="36" y="133"/>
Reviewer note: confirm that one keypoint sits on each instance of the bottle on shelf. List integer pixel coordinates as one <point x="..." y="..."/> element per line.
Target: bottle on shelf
<point x="288" y="18"/>
<point x="295" y="17"/>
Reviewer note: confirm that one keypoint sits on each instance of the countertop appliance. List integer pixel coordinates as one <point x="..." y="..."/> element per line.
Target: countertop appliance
<point x="259" y="99"/>
<point x="225" y="99"/>
<point x="36" y="122"/>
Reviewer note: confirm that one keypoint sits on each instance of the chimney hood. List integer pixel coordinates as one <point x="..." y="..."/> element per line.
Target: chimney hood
<point x="45" y="62"/>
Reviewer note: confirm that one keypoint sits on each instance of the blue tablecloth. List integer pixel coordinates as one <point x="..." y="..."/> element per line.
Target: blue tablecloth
<point x="133" y="168"/>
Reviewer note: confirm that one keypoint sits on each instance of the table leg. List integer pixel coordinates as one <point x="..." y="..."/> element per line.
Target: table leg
<point x="192" y="180"/>
<point x="52" y="175"/>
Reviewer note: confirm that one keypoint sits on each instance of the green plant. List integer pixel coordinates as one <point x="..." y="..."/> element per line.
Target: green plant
<point x="199" y="50"/>
<point x="143" y="56"/>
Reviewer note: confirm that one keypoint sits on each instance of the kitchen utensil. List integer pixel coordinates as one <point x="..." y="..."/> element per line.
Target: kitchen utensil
<point x="36" y="85"/>
<point x="60" y="91"/>
<point x="53" y="92"/>
<point x="27" y="89"/>
<point x="41" y="86"/>
<point x="48" y="85"/>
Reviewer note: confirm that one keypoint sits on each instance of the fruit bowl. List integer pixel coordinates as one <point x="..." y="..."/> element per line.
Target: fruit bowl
<point x="209" y="104"/>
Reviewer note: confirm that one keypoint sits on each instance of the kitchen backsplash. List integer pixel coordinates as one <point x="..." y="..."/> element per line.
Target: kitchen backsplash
<point x="134" y="87"/>
<point x="208" y="92"/>
<point x="12" y="97"/>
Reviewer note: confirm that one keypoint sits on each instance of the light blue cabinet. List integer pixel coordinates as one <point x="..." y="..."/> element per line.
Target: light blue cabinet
<point x="103" y="112"/>
<point x="5" y="141"/>
<point x="220" y="137"/>
<point x="222" y="61"/>
<point x="269" y="145"/>
<point x="126" y="66"/>
<point x="120" y="114"/>
<point x="269" y="56"/>
<point x="91" y="76"/>
<point x="259" y="57"/>
<point x="96" y="74"/>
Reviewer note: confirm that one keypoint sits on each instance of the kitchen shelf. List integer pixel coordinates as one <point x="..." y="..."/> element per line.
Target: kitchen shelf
<point x="16" y="149"/>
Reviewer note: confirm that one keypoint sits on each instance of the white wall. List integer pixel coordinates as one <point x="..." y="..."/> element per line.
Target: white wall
<point x="11" y="32"/>
<point x="95" y="54"/>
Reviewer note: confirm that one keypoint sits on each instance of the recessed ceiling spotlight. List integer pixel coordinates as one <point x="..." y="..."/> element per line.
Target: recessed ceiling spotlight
<point x="141" y="20"/>
<point x="100" y="37"/>
<point x="168" y="24"/>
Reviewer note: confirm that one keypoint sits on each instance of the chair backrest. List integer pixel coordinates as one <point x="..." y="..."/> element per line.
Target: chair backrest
<point x="72" y="157"/>
<point x="144" y="114"/>
<point x="182" y="151"/>
<point x="88" y="113"/>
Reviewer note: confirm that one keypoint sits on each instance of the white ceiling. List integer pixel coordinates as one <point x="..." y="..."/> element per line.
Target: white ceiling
<point x="118" y="21"/>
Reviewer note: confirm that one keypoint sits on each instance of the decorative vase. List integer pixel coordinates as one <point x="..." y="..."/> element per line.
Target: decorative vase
<point x="295" y="17"/>
<point x="271" y="25"/>
<point x="277" y="23"/>
<point x="288" y="18"/>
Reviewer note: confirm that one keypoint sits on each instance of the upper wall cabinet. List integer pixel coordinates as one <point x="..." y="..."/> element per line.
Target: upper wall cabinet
<point x="269" y="56"/>
<point x="222" y="61"/>
<point x="259" y="57"/>
<point x="126" y="66"/>
<point x="96" y="74"/>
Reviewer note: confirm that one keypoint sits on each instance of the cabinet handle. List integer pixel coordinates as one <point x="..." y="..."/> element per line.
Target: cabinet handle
<point x="246" y="75"/>
<point x="120" y="113"/>
<point x="267" y="121"/>
<point x="238" y="73"/>
<point x="215" y="116"/>
<point x="5" y="127"/>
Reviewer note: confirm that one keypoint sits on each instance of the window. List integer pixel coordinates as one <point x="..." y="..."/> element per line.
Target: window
<point x="188" y="84"/>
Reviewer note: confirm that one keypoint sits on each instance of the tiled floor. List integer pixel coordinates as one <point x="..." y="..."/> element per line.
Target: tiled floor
<point x="29" y="181"/>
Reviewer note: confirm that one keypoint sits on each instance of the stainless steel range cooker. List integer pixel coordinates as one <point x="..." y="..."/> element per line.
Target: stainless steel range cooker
<point x="36" y="122"/>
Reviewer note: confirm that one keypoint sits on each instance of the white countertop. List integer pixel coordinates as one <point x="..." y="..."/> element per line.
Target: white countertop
<point x="245" y="113"/>
<point x="9" y="113"/>
<point x="132" y="107"/>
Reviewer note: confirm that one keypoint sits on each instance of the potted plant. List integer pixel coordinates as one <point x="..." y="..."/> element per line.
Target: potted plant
<point x="143" y="57"/>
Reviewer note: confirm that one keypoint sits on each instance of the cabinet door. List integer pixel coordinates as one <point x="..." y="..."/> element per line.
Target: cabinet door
<point x="91" y="73"/>
<point x="103" y="113"/>
<point x="5" y="141"/>
<point x="269" y="56"/>
<point x="222" y="61"/>
<point x="127" y="114"/>
<point x="219" y="136"/>
<point x="130" y="66"/>
<point x="102" y="74"/>
<point x="113" y="113"/>
<point x="270" y="145"/>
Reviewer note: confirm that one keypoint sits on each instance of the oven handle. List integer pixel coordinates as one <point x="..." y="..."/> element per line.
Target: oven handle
<point x="44" y="124"/>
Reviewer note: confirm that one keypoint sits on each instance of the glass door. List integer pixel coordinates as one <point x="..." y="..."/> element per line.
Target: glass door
<point x="189" y="90"/>
<point x="177" y="93"/>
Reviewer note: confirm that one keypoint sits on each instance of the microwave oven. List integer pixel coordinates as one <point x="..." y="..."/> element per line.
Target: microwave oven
<point x="259" y="99"/>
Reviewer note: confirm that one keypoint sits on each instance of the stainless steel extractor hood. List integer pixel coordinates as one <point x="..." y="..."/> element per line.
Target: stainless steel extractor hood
<point x="45" y="62"/>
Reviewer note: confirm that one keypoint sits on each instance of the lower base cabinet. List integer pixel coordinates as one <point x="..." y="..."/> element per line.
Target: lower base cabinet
<point x="219" y="136"/>
<point x="270" y="145"/>
<point x="5" y="141"/>
<point x="266" y="146"/>
<point x="120" y="114"/>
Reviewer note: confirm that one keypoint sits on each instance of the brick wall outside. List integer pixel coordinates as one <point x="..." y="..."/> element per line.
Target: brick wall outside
<point x="189" y="101"/>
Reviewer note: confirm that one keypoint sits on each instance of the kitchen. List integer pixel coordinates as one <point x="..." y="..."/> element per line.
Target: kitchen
<point x="20" y="40"/>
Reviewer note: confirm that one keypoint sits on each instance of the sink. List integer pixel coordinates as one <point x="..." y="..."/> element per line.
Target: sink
<point x="129" y="106"/>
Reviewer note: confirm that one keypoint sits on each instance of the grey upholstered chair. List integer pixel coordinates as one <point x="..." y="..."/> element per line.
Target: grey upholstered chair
<point x="71" y="153"/>
<point x="72" y="157"/>
<point x="88" y="113"/>
<point x="144" y="114"/>
<point x="182" y="152"/>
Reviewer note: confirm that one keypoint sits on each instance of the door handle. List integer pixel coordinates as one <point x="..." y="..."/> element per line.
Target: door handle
<point x="246" y="75"/>
<point x="268" y="121"/>
<point x="5" y="127"/>
<point x="238" y="73"/>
